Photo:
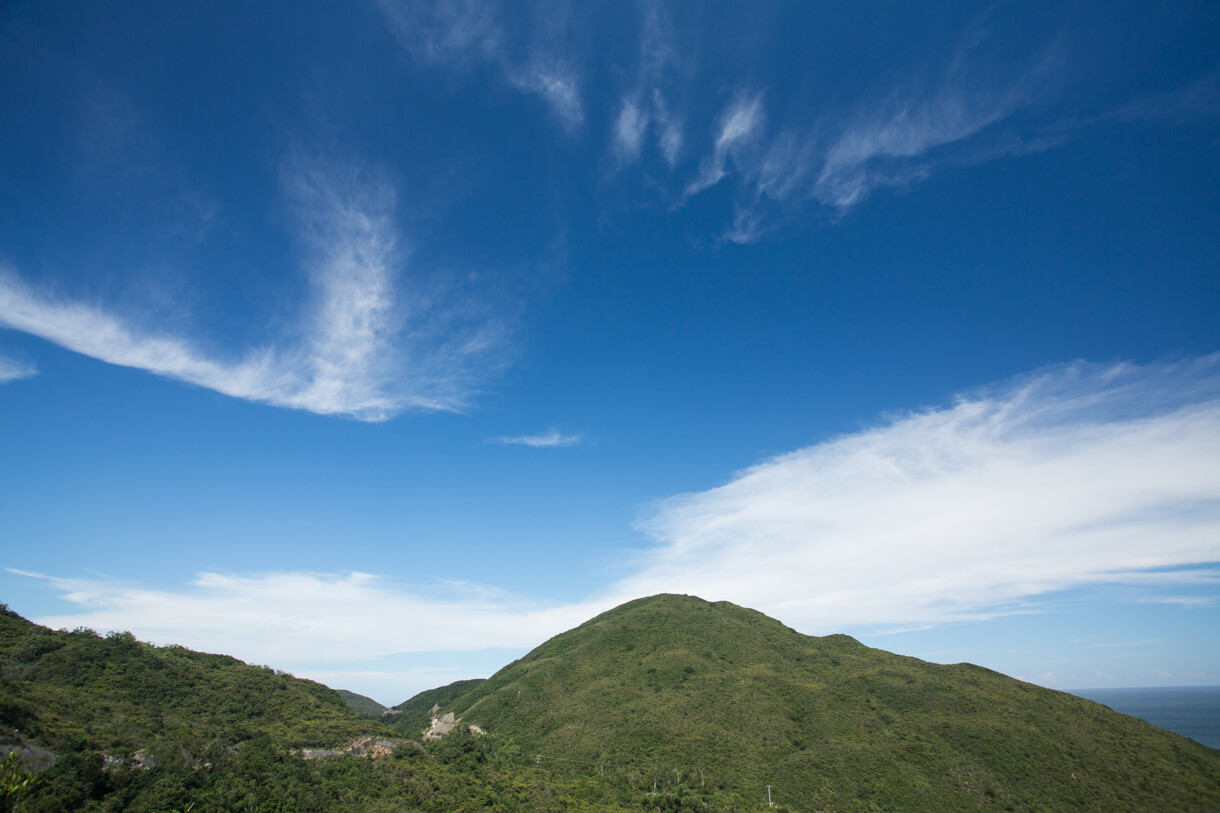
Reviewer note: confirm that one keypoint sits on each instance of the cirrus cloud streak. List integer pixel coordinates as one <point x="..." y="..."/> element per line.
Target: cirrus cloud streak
<point x="533" y="59"/>
<point x="1072" y="476"/>
<point x="367" y="345"/>
<point x="12" y="370"/>
<point x="548" y="440"/>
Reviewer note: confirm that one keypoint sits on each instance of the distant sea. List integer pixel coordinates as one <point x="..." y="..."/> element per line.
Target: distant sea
<point x="1192" y="711"/>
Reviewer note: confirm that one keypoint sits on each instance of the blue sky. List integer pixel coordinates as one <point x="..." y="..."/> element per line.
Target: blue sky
<point x="380" y="343"/>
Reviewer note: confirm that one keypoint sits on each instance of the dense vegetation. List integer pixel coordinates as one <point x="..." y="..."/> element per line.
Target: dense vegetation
<point x="77" y="690"/>
<point x="668" y="703"/>
<point x="144" y="728"/>
<point x="718" y="702"/>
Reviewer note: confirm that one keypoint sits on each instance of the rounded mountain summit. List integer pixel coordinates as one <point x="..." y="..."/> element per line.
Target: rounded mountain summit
<point x="673" y="694"/>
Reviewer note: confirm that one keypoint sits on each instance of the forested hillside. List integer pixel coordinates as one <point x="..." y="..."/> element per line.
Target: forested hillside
<point x="668" y="703"/>
<point x="134" y="727"/>
<point x="675" y="693"/>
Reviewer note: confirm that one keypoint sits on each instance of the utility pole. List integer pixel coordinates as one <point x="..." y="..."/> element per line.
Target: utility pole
<point x="769" y="804"/>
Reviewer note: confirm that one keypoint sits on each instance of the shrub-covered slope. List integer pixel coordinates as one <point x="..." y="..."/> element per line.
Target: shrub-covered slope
<point x="74" y="690"/>
<point x="145" y="729"/>
<point x="717" y="701"/>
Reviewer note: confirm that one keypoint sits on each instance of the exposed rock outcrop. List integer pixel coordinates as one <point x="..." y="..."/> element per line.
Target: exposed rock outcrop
<point x="440" y="725"/>
<point x="368" y="747"/>
<point x="443" y="725"/>
<point x="319" y="753"/>
<point x="371" y="747"/>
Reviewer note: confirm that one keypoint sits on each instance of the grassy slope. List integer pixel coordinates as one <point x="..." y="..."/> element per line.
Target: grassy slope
<point x="721" y="697"/>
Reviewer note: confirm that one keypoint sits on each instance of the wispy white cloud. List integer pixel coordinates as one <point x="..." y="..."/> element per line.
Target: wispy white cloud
<point x="969" y="107"/>
<point x="462" y="34"/>
<point x="464" y="30"/>
<point x="643" y="104"/>
<point x="363" y="349"/>
<point x="1185" y="601"/>
<point x="892" y="140"/>
<point x="91" y="331"/>
<point x="749" y="225"/>
<point x="897" y="142"/>
<point x="629" y="131"/>
<point x="896" y="137"/>
<point x="878" y="147"/>
<point x="1073" y="476"/>
<point x="907" y="132"/>
<point x="1199" y="99"/>
<point x="546" y="440"/>
<point x="13" y="370"/>
<point x="738" y="125"/>
<point x="555" y="81"/>
<point x="670" y="134"/>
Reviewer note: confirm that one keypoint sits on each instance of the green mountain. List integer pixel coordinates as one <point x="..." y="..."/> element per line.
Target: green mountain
<point x="364" y="706"/>
<point x="95" y="723"/>
<point x="664" y="704"/>
<point x="713" y="703"/>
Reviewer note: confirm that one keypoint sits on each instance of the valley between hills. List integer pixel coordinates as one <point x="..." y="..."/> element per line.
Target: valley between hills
<point x="668" y="703"/>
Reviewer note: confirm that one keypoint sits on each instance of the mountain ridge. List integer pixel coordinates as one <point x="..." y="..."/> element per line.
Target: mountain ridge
<point x="672" y="684"/>
<point x="668" y="703"/>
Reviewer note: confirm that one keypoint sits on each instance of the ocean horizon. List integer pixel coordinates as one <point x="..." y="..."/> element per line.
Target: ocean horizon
<point x="1192" y="711"/>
